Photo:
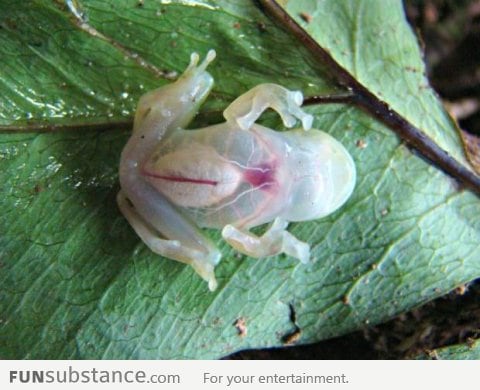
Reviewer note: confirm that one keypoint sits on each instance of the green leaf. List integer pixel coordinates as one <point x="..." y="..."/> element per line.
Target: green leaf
<point x="371" y="40"/>
<point x="53" y="70"/>
<point x="469" y="351"/>
<point x="76" y="282"/>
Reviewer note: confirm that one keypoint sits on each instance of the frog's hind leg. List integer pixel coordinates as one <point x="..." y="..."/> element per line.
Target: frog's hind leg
<point x="173" y="249"/>
<point x="245" y="110"/>
<point x="274" y="241"/>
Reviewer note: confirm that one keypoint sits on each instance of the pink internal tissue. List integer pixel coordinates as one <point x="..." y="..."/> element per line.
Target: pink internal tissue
<point x="262" y="176"/>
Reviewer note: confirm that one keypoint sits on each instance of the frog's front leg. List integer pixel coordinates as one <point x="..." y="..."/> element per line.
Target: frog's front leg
<point x="180" y="240"/>
<point x="274" y="241"/>
<point x="245" y="110"/>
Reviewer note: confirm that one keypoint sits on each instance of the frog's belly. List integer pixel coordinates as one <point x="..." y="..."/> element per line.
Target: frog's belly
<point x="222" y="176"/>
<point x="249" y="206"/>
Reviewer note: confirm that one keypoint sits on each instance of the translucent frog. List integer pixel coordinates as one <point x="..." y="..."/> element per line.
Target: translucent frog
<point x="231" y="176"/>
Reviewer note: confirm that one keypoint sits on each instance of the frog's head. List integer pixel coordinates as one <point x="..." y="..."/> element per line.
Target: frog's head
<point x="324" y="175"/>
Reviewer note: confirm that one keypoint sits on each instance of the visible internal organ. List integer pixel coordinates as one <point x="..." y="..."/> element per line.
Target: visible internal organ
<point x="193" y="177"/>
<point x="262" y="176"/>
<point x="199" y="177"/>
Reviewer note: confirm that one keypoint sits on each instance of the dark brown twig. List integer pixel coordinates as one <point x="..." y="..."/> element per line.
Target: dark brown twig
<point x="330" y="99"/>
<point x="49" y="127"/>
<point x="363" y="98"/>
